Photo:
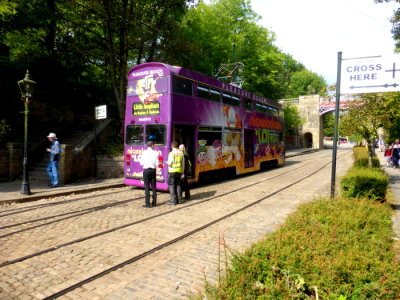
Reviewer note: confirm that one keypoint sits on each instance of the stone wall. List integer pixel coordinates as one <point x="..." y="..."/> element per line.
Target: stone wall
<point x="16" y="153"/>
<point x="110" y="166"/>
<point x="309" y="110"/>
<point x="74" y="164"/>
<point x="65" y="166"/>
<point x="4" y="165"/>
<point x="311" y="133"/>
<point x="77" y="164"/>
<point x="11" y="161"/>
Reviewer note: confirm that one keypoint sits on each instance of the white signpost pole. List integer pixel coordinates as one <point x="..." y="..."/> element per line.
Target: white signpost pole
<point x="361" y="75"/>
<point x="336" y="127"/>
<point x="100" y="113"/>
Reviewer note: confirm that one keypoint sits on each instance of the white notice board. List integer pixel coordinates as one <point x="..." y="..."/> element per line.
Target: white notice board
<point x="370" y="74"/>
<point x="101" y="112"/>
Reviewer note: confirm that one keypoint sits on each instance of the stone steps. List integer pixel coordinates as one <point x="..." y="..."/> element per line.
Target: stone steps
<point x="38" y="171"/>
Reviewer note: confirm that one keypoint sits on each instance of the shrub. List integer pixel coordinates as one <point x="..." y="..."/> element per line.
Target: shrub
<point x="365" y="182"/>
<point x="375" y="162"/>
<point x="360" y="156"/>
<point x="338" y="249"/>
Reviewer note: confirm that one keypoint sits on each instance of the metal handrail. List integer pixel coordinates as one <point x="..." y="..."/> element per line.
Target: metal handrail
<point x="91" y="134"/>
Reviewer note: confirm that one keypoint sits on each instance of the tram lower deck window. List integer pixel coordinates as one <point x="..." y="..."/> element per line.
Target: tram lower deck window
<point x="210" y="136"/>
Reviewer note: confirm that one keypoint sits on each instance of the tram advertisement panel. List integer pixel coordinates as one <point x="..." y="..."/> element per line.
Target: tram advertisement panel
<point x="146" y="91"/>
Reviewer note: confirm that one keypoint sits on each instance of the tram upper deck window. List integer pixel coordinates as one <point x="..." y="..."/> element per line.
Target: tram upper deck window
<point x="266" y="109"/>
<point x="208" y="93"/>
<point x="274" y="111"/>
<point x="248" y="104"/>
<point x="230" y="99"/>
<point x="134" y="135"/>
<point x="262" y="108"/>
<point x="208" y="135"/>
<point x="182" y="86"/>
<point x="156" y="134"/>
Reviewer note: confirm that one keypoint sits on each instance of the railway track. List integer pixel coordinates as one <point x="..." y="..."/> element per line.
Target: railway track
<point x="69" y="214"/>
<point x="243" y="185"/>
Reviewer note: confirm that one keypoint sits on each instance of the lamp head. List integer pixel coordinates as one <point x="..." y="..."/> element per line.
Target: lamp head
<point x="26" y="86"/>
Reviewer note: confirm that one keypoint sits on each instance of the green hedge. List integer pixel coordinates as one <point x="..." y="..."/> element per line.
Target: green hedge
<point x="327" y="249"/>
<point x="364" y="182"/>
<point x="336" y="249"/>
<point x="360" y="156"/>
<point x="375" y="162"/>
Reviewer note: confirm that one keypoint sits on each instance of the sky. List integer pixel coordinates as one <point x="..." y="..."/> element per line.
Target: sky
<point x="314" y="31"/>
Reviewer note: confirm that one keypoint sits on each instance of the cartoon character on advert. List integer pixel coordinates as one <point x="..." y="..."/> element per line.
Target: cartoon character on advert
<point x="232" y="144"/>
<point x="202" y="155"/>
<point x="216" y="152"/>
<point x="231" y="119"/>
<point x="146" y="88"/>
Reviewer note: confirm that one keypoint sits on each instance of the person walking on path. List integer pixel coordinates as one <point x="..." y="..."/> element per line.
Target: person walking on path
<point x="184" y="182"/>
<point x="396" y="153"/>
<point x="388" y="155"/>
<point x="149" y="161"/>
<point x="175" y="173"/>
<point x="52" y="167"/>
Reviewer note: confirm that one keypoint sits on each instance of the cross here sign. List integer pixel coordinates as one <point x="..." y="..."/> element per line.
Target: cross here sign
<point x="370" y="74"/>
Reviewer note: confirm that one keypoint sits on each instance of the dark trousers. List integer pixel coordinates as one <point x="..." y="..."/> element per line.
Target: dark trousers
<point x="149" y="178"/>
<point x="174" y="180"/>
<point x="185" y="187"/>
<point x="395" y="160"/>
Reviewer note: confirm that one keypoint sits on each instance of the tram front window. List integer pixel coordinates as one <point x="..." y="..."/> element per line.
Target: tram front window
<point x="134" y="135"/>
<point x="156" y="134"/>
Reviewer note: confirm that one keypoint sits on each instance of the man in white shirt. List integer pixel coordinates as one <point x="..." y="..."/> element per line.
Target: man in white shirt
<point x="149" y="161"/>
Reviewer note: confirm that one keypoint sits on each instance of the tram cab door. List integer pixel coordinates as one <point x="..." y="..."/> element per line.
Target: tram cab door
<point x="248" y="148"/>
<point x="184" y="134"/>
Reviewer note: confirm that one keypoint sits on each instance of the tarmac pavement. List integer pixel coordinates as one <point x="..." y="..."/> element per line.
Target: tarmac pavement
<point x="10" y="191"/>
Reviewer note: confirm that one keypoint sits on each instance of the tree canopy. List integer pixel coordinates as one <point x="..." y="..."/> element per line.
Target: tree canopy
<point x="395" y="22"/>
<point x="369" y="113"/>
<point x="80" y="51"/>
<point x="293" y="119"/>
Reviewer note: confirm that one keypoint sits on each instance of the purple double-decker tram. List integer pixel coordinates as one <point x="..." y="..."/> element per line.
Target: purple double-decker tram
<point x="225" y="129"/>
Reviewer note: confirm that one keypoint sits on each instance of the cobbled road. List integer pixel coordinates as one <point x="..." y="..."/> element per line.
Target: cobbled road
<point x="105" y="245"/>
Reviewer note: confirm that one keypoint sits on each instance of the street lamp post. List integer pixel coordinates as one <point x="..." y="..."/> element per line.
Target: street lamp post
<point x="26" y="87"/>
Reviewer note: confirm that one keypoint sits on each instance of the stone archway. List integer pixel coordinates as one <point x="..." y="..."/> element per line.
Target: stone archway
<point x="312" y="108"/>
<point x="309" y="110"/>
<point x="308" y="140"/>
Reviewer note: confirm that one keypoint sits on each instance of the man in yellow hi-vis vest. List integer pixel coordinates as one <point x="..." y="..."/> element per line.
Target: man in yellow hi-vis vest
<point x="176" y="165"/>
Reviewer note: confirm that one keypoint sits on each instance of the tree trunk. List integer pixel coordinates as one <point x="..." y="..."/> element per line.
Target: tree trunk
<point x="370" y="144"/>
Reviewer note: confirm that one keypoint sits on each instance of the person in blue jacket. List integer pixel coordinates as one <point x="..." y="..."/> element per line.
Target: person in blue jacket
<point x="52" y="167"/>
